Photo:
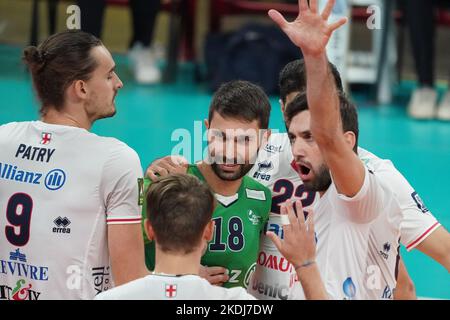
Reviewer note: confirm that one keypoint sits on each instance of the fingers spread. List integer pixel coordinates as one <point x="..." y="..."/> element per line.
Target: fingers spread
<point x="278" y="18"/>
<point x="328" y="8"/>
<point x="337" y="24"/>
<point x="313" y="6"/>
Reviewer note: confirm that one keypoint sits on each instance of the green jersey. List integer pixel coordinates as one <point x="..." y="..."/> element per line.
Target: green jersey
<point x="239" y="221"/>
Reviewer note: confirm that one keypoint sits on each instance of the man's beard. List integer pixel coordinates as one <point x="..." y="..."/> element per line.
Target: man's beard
<point x="244" y="166"/>
<point x="231" y="176"/>
<point x="321" y="182"/>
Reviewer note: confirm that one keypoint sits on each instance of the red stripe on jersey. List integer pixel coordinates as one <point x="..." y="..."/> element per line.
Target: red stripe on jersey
<point x="412" y="244"/>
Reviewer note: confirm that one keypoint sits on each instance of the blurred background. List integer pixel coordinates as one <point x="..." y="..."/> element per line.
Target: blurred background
<point x="171" y="55"/>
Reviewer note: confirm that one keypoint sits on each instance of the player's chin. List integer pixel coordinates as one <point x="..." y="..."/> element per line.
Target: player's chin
<point x="228" y="173"/>
<point x="111" y="112"/>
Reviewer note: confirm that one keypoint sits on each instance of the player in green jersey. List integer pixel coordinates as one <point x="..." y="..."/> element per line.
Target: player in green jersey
<point x="237" y="126"/>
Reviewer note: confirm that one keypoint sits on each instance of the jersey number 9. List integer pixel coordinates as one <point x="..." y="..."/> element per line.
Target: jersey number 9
<point x="18" y="214"/>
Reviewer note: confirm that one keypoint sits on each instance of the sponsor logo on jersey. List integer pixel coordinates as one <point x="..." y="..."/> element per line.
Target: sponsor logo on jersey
<point x="171" y="290"/>
<point x="17" y="266"/>
<point x="265" y="166"/>
<point x="39" y="154"/>
<point x="274" y="262"/>
<point x="17" y="256"/>
<point x="385" y="252"/>
<point x="261" y="176"/>
<point x="276" y="290"/>
<point x="46" y="138"/>
<point x="349" y="289"/>
<point x="249" y="274"/>
<point x="388" y="293"/>
<point x="420" y="204"/>
<point x="275" y="228"/>
<point x="273" y="148"/>
<point x="101" y="276"/>
<point x="61" y="225"/>
<point x="21" y="291"/>
<point x="253" y="217"/>
<point x="53" y="180"/>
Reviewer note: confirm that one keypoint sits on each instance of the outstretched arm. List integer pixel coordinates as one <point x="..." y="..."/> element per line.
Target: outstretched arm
<point x="311" y="33"/>
<point x="437" y="246"/>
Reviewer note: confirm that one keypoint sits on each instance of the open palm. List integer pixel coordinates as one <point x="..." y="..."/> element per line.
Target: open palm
<point x="310" y="30"/>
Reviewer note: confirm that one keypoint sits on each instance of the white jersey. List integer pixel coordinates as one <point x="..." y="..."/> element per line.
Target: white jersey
<point x="345" y="247"/>
<point x="173" y="287"/>
<point x="60" y="186"/>
<point x="274" y="277"/>
<point x="416" y="224"/>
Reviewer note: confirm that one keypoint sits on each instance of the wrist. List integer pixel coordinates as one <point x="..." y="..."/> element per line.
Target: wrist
<point x="305" y="264"/>
<point x="319" y="57"/>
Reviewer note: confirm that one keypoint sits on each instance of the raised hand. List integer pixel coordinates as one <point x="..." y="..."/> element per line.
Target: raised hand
<point x="298" y="245"/>
<point x="310" y="31"/>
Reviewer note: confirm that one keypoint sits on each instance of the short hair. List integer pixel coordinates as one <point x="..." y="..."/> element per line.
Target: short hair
<point x="179" y="206"/>
<point x="61" y="59"/>
<point x="293" y="78"/>
<point x="241" y="100"/>
<point x="348" y="113"/>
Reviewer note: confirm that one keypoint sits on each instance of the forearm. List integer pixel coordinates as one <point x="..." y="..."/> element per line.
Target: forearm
<point x="323" y="100"/>
<point x="312" y="283"/>
<point x="124" y="273"/>
<point x="437" y="246"/>
<point x="126" y="249"/>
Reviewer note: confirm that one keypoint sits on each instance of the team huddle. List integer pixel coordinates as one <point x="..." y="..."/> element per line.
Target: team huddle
<point x="306" y="214"/>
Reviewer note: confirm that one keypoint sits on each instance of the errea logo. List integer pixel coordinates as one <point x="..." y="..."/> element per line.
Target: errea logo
<point x="385" y="252"/>
<point x="61" y="225"/>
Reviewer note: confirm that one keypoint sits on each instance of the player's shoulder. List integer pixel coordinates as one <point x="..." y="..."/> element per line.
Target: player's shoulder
<point x="116" y="148"/>
<point x="384" y="169"/>
<point x="130" y="290"/>
<point x="10" y="127"/>
<point x="374" y="162"/>
<point x="278" y="142"/>
<point x="221" y="293"/>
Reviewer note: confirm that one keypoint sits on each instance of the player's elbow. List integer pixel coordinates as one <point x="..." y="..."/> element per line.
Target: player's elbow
<point x="406" y="290"/>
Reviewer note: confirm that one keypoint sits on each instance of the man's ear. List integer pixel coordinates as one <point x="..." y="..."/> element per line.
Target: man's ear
<point x="149" y="230"/>
<point x="206" y="122"/>
<point x="208" y="233"/>
<point x="80" y="89"/>
<point x="350" y="138"/>
<point x="282" y="106"/>
<point x="265" y="137"/>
